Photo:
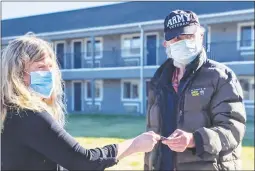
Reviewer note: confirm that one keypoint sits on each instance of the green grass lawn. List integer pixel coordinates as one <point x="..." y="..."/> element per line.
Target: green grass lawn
<point x="99" y="130"/>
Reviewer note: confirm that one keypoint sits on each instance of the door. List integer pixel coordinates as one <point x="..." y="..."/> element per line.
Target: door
<point x="60" y="51"/>
<point x="151" y="44"/>
<point x="77" y="60"/>
<point x="77" y="97"/>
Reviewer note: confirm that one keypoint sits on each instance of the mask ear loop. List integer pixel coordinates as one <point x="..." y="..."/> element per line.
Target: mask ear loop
<point x="26" y="73"/>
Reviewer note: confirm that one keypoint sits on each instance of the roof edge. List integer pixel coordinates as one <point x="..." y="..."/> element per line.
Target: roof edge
<point x="203" y="16"/>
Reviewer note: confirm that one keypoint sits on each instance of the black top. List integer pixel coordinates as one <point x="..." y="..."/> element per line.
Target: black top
<point x="35" y="141"/>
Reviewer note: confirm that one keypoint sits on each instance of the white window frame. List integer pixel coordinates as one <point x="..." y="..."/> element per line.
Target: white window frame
<point x="96" y="103"/>
<point x="82" y="89"/>
<point x="65" y="47"/>
<point x="96" y="61"/>
<point x="124" y="55"/>
<point x="51" y="44"/>
<point x="122" y="90"/>
<point x="250" y="81"/>
<point x="101" y="51"/>
<point x="101" y="87"/>
<point x="133" y="59"/>
<point x="243" y="53"/>
<point x="133" y="104"/>
<point x="239" y="28"/>
<point x="157" y="45"/>
<point x="72" y="51"/>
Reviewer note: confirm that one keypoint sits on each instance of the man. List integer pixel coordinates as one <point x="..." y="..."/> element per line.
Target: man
<point x="196" y="102"/>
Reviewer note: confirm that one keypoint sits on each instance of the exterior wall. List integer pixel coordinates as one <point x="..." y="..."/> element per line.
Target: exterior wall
<point x="111" y="51"/>
<point x="111" y="102"/>
<point x="222" y="37"/>
<point x="223" y="44"/>
<point x="223" y="48"/>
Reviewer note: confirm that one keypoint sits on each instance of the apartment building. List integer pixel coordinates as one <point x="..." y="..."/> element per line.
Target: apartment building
<point x="109" y="53"/>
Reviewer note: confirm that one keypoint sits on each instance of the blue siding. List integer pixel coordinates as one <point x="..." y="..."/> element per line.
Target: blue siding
<point x="243" y="69"/>
<point x="239" y="69"/>
<point x="112" y="97"/>
<point x="112" y="103"/>
<point x="223" y="46"/>
<point x="224" y="42"/>
<point x="111" y="54"/>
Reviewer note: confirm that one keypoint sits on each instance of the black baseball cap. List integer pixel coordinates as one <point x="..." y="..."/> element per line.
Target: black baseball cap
<point x="180" y="22"/>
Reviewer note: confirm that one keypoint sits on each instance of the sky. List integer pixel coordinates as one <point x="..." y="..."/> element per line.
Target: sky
<point x="22" y="9"/>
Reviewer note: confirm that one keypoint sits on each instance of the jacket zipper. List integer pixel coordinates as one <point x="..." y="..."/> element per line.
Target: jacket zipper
<point x="180" y="111"/>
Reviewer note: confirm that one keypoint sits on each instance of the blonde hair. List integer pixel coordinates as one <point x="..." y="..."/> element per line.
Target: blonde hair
<point x="14" y="92"/>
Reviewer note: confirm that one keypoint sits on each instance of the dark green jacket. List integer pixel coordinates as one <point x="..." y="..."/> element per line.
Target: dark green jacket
<point x="211" y="107"/>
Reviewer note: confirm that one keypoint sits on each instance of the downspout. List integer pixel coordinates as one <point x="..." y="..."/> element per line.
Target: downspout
<point x="141" y="69"/>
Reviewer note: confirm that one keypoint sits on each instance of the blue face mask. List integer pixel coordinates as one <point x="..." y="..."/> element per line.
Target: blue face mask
<point x="42" y="83"/>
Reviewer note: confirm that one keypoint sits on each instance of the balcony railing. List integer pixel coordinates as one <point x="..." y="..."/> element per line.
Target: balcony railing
<point x="219" y="51"/>
<point x="227" y="51"/>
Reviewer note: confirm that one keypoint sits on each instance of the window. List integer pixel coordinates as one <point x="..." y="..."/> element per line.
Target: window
<point x="130" y="90"/>
<point x="130" y="45"/>
<point x="246" y="36"/>
<point x="247" y="84"/>
<point x="97" y="106"/>
<point x="89" y="48"/>
<point x="131" y="107"/>
<point x="96" y="64"/>
<point x="98" y="48"/>
<point x="89" y="94"/>
<point x="98" y="90"/>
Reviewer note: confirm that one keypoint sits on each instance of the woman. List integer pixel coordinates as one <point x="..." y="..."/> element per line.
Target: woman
<point x="32" y="114"/>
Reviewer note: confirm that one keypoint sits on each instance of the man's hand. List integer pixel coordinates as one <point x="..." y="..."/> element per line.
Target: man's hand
<point x="180" y="140"/>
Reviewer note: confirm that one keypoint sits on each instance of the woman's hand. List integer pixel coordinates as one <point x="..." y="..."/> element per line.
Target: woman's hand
<point x="145" y="142"/>
<point x="142" y="143"/>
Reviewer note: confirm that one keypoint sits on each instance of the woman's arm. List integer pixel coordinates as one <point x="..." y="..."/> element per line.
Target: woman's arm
<point x="41" y="132"/>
